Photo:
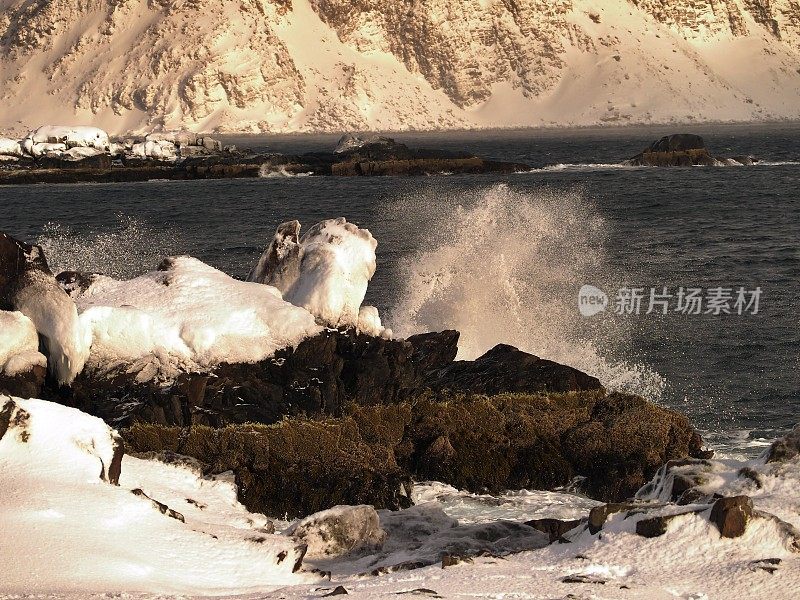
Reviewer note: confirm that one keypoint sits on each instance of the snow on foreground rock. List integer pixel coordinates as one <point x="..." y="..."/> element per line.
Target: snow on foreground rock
<point x="19" y="344"/>
<point x="65" y="528"/>
<point x="326" y="271"/>
<point x="186" y="315"/>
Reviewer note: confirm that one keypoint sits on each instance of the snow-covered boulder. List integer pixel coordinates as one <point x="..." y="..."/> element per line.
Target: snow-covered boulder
<point x="19" y="344"/>
<point x="157" y="149"/>
<point x="71" y="137"/>
<point x="81" y="152"/>
<point x="27" y="285"/>
<point x="186" y="314"/>
<point x="178" y="138"/>
<point x="10" y="147"/>
<point x="38" y="150"/>
<point x="339" y="531"/>
<point x="326" y="271"/>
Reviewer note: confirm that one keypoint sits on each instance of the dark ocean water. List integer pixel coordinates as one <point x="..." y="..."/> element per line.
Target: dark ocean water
<point x="508" y="264"/>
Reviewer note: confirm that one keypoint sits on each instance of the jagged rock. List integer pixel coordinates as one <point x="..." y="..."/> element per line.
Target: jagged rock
<point x="625" y="442"/>
<point x="433" y="351"/>
<point x="785" y="448"/>
<point x="770" y="565"/>
<point x="554" y="528"/>
<point x="507" y="369"/>
<point x="731" y="515"/>
<point x="340" y="531"/>
<point x="337" y="591"/>
<point x="27" y="384"/>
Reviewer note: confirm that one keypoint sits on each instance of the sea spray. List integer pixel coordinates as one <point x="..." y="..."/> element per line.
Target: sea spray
<point x="128" y="250"/>
<point x="505" y="266"/>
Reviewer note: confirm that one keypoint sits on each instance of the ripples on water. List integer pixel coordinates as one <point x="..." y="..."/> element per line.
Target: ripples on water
<point x="502" y="257"/>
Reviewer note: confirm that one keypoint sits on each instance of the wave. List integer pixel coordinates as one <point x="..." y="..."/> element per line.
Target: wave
<point x="505" y="266"/>
<point x="588" y="167"/>
<point x="270" y="172"/>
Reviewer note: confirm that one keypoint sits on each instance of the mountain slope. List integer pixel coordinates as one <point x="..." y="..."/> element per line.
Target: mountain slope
<point x="324" y="65"/>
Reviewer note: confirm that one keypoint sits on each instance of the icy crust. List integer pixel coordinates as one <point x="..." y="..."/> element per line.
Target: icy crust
<point x="186" y="315"/>
<point x="19" y="344"/>
<point x="66" y="530"/>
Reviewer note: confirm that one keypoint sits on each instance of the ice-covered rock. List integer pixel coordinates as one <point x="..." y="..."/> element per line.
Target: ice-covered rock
<point x="27" y="285"/>
<point x="71" y="137"/>
<point x="339" y="531"/>
<point x="326" y="271"/>
<point x="187" y="313"/>
<point x="157" y="149"/>
<point x="19" y="344"/>
<point x="37" y="150"/>
<point x="351" y="141"/>
<point x="9" y="147"/>
<point x="60" y="439"/>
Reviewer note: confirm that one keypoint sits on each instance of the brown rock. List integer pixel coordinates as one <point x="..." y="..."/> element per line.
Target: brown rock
<point x="731" y="515"/>
<point x="554" y="528"/>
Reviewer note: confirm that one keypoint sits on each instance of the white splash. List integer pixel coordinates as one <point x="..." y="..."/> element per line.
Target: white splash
<point x="501" y="265"/>
<point x="130" y="250"/>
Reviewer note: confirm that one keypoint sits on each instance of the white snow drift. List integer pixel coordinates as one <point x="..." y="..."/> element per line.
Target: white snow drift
<point x="66" y="530"/>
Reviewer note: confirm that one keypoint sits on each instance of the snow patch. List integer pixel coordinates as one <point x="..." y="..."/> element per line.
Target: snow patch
<point x="19" y="344"/>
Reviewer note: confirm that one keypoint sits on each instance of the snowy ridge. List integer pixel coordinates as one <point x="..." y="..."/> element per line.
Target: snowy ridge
<point x="332" y="65"/>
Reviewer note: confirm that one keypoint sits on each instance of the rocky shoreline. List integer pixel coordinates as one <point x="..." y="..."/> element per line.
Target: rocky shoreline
<point x="391" y="410"/>
<point x="184" y="156"/>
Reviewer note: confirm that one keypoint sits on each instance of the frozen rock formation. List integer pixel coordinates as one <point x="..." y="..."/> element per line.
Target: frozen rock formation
<point x="335" y="65"/>
<point x="326" y="271"/>
<point x="28" y="286"/>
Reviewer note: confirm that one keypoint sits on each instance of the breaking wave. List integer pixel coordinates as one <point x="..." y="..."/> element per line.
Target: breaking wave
<point x="130" y="249"/>
<point x="505" y="266"/>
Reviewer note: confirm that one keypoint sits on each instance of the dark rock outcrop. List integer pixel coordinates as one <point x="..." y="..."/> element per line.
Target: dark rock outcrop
<point x="481" y="444"/>
<point x="507" y="369"/>
<point x="319" y="377"/>
<point x="381" y="156"/>
<point x="683" y="150"/>
<point x="28" y="384"/>
<point x="785" y="448"/>
<point x="554" y="528"/>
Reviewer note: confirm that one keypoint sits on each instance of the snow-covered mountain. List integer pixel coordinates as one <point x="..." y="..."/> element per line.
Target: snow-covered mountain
<point x="323" y="65"/>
